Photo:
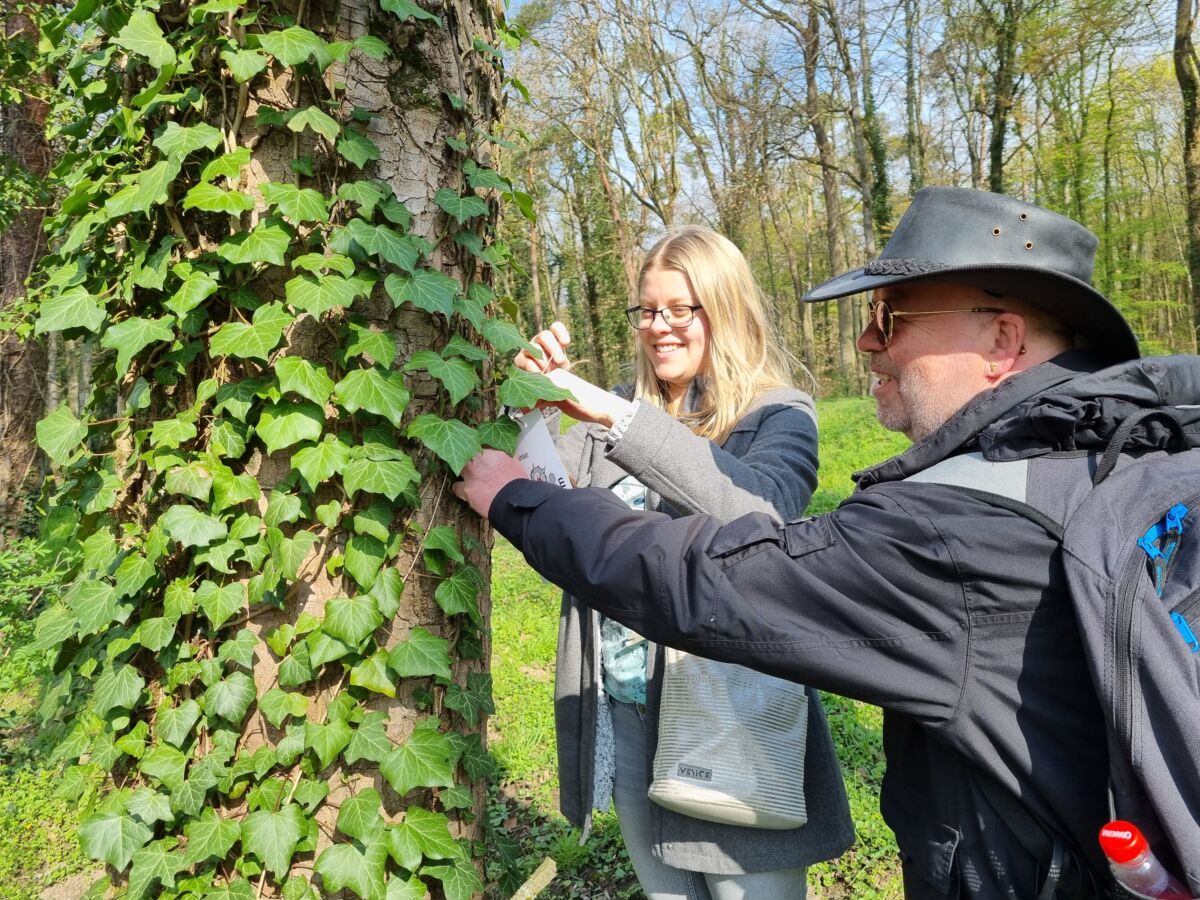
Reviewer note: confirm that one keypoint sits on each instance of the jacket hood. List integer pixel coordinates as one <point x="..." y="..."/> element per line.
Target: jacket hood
<point x="1066" y="404"/>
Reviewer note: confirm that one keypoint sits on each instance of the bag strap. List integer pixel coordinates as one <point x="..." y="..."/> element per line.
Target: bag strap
<point x="1120" y="438"/>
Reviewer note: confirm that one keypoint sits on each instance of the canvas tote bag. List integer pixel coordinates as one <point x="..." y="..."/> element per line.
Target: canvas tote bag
<point x="730" y="744"/>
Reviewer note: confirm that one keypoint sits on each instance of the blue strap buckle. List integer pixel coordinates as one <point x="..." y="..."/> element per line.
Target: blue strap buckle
<point x="1189" y="636"/>
<point x="1159" y="543"/>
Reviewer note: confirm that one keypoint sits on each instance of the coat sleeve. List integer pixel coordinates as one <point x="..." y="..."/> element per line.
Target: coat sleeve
<point x="865" y="602"/>
<point x="776" y="475"/>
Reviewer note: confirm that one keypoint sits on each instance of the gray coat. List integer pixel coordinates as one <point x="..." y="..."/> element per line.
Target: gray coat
<point x="767" y="464"/>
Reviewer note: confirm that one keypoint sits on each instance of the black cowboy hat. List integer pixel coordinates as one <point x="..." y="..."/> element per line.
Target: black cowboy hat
<point x="1002" y="245"/>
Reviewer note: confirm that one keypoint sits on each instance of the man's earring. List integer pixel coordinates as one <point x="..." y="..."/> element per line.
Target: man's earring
<point x="1022" y="351"/>
<point x="991" y="368"/>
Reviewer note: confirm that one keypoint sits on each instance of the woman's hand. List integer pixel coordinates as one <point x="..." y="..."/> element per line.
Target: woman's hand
<point x="591" y="404"/>
<point x="553" y="343"/>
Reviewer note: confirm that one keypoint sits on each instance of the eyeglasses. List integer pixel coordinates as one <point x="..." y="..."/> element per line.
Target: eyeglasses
<point x="884" y="317"/>
<point x="642" y="317"/>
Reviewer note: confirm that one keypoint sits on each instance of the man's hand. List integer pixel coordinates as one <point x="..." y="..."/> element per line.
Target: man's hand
<point x="483" y="478"/>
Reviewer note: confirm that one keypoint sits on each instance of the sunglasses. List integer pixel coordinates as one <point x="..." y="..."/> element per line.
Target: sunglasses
<point x="884" y="317"/>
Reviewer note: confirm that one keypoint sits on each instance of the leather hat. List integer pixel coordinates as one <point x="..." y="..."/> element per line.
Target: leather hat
<point x="1002" y="245"/>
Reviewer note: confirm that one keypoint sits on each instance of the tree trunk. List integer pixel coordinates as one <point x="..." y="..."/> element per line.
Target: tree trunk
<point x="22" y="362"/>
<point x="914" y="145"/>
<point x="1187" y="72"/>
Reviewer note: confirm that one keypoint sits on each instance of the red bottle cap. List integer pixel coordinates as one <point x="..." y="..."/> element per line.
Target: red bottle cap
<point x="1122" y="841"/>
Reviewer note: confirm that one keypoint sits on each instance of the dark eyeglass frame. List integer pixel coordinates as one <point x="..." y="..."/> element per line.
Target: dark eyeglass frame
<point x="883" y="317"/>
<point x="638" y="321"/>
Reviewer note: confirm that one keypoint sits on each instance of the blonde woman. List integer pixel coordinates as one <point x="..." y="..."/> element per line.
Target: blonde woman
<point x="711" y="424"/>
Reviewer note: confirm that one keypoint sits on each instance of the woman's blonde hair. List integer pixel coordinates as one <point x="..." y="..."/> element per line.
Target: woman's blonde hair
<point x="744" y="358"/>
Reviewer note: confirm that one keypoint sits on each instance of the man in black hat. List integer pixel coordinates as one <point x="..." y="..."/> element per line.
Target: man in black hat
<point x="929" y="592"/>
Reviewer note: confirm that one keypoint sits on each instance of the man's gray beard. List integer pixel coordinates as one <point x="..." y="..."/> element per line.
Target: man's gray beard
<point x="916" y="416"/>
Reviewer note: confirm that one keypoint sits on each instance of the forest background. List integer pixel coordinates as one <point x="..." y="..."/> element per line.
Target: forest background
<point x="319" y="469"/>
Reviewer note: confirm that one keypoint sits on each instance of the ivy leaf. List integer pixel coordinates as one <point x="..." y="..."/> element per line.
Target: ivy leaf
<point x="113" y="838"/>
<point x="457" y="376"/>
<point x="460" y="208"/>
<point x="191" y="527"/>
<point x="391" y="478"/>
<point x="118" y="688"/>
<point x="268" y="243"/>
<point x="195" y="289"/>
<point x="278" y="706"/>
<point x="409" y="9"/>
<point x="359" y="816"/>
<point x="210" y="198"/>
<point x="504" y="336"/>
<point x="345" y="866"/>
<point x="380" y="240"/>
<point x="298" y="204"/>
<point x="424" y="760"/>
<point x="459" y="881"/>
<point x="425" y="289"/>
<point x="412" y="889"/>
<point x="286" y="423"/>
<point x="297" y="375"/>
<point x="210" y="837"/>
<point x="178" y="141"/>
<point x="174" y="724"/>
<point x="171" y="433"/>
<point x="474" y="699"/>
<point x="166" y="765"/>
<point x="227" y="165"/>
<point x="54" y="627"/>
<point x="244" y="64"/>
<point x="231" y="697"/>
<point x="351" y="619"/>
<point x="150" y="806"/>
<point x="370" y="741"/>
<point x="378" y="345"/>
<point x="480" y="177"/>
<point x="355" y="147"/>
<point x="133" y="335"/>
<point x="522" y="390"/>
<point x="320" y="462"/>
<point x="316" y="296"/>
<point x="219" y="603"/>
<point x="320" y="122"/>
<point x="501" y="434"/>
<point x="239" y="889"/>
<point x="452" y="440"/>
<point x="387" y="590"/>
<point x="444" y="539"/>
<point x="74" y="309"/>
<point x="364" y="558"/>
<point x="327" y="740"/>
<point x="149" y="188"/>
<point x="364" y="193"/>
<point x="153" y="864"/>
<point x="141" y="35"/>
<point x="372" y="674"/>
<point x="255" y="341"/>
<point x="458" y="592"/>
<point x="60" y="434"/>
<point x="421" y="654"/>
<point x="291" y="46"/>
<point x="375" y="390"/>
<point x="273" y="836"/>
<point x="422" y="834"/>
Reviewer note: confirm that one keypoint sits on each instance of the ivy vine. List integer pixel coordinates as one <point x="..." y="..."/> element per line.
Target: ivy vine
<point x="198" y="290"/>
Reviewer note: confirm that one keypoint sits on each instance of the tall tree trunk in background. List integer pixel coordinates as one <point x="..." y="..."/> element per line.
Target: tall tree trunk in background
<point x="22" y="363"/>
<point x="1005" y="22"/>
<point x="535" y="264"/>
<point x="914" y="146"/>
<point x="1187" y="72"/>
<point x="830" y="193"/>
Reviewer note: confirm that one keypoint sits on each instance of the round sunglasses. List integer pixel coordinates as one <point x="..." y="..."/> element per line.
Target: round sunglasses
<point x="884" y="317"/>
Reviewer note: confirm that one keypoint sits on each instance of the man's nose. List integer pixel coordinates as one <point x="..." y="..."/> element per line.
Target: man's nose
<point x="869" y="340"/>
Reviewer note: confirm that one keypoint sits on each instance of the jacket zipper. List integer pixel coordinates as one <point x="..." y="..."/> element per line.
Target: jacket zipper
<point x="1124" y="618"/>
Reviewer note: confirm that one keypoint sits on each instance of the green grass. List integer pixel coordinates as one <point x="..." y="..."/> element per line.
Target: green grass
<point x="38" y="846"/>
<point x="525" y="627"/>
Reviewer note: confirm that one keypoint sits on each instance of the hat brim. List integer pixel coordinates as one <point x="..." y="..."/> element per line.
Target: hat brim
<point x="1074" y="303"/>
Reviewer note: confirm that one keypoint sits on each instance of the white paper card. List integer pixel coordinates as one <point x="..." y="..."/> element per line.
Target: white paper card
<point x="536" y="453"/>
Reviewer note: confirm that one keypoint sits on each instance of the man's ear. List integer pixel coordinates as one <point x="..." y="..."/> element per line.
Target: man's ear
<point x="1008" y="345"/>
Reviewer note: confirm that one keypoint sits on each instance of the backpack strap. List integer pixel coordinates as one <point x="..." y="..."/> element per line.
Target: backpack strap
<point x="1121" y="435"/>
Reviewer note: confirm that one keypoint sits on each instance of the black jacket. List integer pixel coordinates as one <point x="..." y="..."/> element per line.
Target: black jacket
<point x="933" y="601"/>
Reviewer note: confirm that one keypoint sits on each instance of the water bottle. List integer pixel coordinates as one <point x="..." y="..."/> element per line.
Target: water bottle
<point x="1135" y="865"/>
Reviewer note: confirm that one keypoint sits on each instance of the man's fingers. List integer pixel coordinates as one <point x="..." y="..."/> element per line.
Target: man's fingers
<point x="460" y="490"/>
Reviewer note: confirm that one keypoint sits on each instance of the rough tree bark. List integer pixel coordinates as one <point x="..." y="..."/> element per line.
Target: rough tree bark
<point x="1187" y="72"/>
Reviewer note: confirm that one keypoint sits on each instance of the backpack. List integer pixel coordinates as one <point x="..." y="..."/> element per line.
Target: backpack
<point x="1131" y="553"/>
